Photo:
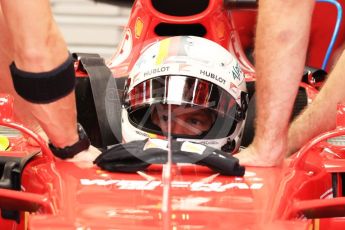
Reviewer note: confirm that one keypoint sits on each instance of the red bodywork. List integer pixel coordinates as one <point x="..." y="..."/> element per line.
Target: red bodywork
<point x="304" y="193"/>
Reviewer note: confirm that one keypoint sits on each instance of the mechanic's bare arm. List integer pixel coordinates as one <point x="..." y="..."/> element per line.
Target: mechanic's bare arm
<point x="320" y="116"/>
<point x="21" y="112"/>
<point x="280" y="49"/>
<point x="39" y="47"/>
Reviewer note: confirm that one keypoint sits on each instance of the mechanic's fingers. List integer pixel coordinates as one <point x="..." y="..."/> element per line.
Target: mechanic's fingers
<point x="40" y="132"/>
<point x="88" y="155"/>
<point x="250" y="157"/>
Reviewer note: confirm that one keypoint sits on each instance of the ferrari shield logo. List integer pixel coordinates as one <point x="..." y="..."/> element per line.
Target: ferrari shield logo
<point x="139" y="25"/>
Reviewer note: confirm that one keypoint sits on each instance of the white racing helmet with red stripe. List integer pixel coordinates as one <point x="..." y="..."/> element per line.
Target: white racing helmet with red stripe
<point x="201" y="81"/>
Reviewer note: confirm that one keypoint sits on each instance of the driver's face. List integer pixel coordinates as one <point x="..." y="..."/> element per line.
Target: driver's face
<point x="184" y="120"/>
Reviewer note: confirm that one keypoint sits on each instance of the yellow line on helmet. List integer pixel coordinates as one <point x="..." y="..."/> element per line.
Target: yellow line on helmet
<point x="163" y="51"/>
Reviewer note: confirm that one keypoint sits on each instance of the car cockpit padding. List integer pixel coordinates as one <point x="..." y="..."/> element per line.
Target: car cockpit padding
<point x="12" y="168"/>
<point x="107" y="96"/>
<point x="136" y="156"/>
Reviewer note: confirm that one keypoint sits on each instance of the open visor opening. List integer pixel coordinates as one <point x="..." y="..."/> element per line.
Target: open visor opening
<point x="200" y="108"/>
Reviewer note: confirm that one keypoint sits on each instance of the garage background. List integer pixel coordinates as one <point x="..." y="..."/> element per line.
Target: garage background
<point x="89" y="26"/>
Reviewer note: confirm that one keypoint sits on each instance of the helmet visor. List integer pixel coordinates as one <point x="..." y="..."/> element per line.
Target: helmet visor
<point x="199" y="108"/>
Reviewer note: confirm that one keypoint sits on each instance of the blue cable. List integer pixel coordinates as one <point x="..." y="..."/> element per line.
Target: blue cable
<point x="335" y="32"/>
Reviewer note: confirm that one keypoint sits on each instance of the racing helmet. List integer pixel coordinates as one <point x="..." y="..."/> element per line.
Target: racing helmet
<point x="194" y="76"/>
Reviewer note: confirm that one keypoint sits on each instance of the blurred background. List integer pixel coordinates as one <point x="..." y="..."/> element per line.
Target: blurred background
<point x="89" y="26"/>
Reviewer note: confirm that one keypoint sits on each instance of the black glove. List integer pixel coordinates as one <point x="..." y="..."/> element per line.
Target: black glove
<point x="138" y="155"/>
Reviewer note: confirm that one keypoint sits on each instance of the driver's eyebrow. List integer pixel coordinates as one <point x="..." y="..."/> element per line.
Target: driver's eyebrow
<point x="181" y="110"/>
<point x="199" y="113"/>
<point x="191" y="127"/>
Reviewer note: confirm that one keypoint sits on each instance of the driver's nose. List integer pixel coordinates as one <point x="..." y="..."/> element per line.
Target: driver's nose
<point x="177" y="128"/>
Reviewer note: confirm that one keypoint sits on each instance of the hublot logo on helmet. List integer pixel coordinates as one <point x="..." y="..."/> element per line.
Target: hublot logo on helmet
<point x="213" y="76"/>
<point x="156" y="70"/>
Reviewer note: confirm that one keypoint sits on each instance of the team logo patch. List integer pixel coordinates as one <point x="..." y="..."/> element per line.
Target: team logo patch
<point x="139" y="25"/>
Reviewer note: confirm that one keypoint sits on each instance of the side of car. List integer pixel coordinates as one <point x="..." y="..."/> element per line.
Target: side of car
<point x="40" y="193"/>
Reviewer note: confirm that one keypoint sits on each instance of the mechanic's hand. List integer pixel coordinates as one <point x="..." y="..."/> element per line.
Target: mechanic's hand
<point x="38" y="130"/>
<point x="88" y="155"/>
<point x="251" y="157"/>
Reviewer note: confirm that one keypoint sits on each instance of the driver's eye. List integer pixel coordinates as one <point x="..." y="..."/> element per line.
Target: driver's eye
<point x="194" y="121"/>
<point x="165" y="118"/>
